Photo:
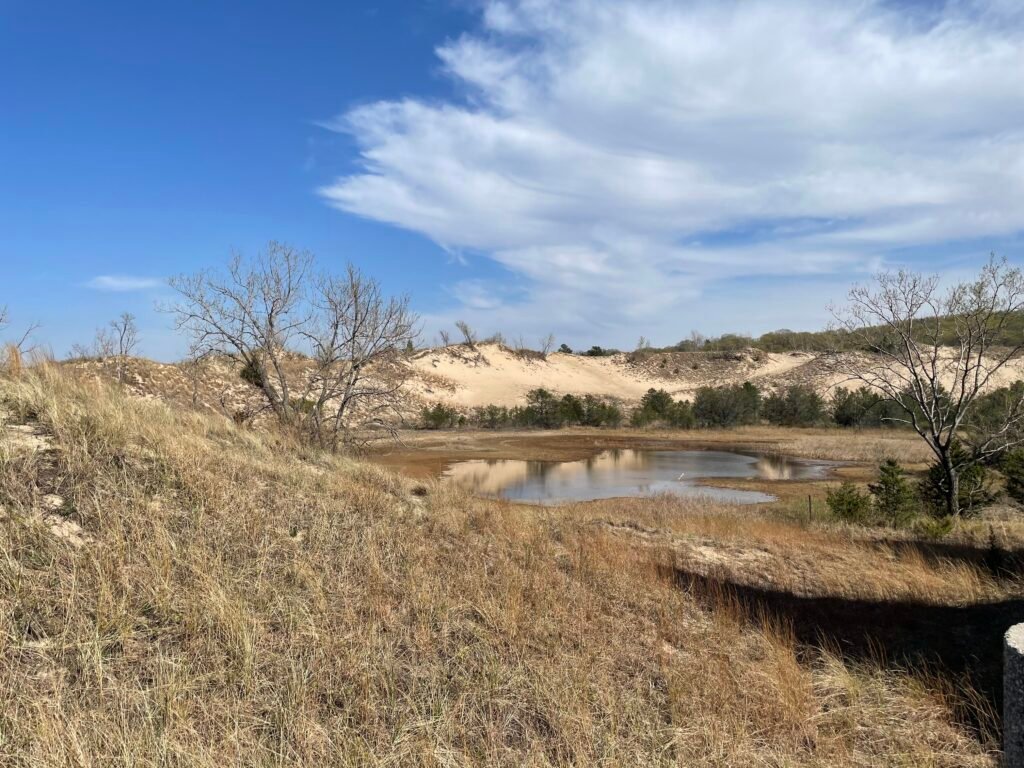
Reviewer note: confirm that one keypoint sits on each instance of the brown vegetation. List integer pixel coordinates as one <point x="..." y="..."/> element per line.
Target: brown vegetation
<point x="243" y="600"/>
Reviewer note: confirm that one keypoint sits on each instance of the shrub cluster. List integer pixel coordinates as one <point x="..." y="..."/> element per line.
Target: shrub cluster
<point x="589" y="411"/>
<point x="657" y="406"/>
<point x="864" y="408"/>
<point x="848" y="503"/>
<point x="1012" y="466"/>
<point x="596" y="351"/>
<point x="441" y="416"/>
<point x="543" y="410"/>
<point x="891" y="500"/>
<point x="728" y="406"/>
<point x="795" y="406"/>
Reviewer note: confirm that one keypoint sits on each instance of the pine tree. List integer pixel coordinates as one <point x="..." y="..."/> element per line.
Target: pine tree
<point x="848" y="503"/>
<point x="973" y="491"/>
<point x="894" y="498"/>
<point x="1012" y="467"/>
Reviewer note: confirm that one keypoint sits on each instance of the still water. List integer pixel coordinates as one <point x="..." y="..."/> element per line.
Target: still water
<point x="628" y="472"/>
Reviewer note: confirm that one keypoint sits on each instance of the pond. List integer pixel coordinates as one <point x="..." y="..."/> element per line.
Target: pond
<point x="628" y="472"/>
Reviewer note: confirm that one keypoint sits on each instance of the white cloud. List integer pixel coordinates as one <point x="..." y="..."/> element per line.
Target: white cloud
<point x="476" y="294"/>
<point x="123" y="283"/>
<point x="624" y="155"/>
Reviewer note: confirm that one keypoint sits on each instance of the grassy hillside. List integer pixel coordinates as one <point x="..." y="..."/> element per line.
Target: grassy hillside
<point x="229" y="598"/>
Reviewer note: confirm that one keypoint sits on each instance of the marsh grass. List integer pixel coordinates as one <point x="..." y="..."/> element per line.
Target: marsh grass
<point x="244" y="601"/>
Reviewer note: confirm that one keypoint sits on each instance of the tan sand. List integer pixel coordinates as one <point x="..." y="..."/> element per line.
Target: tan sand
<point x="491" y="374"/>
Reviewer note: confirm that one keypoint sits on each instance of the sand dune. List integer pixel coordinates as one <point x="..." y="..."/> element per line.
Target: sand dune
<point x="493" y="374"/>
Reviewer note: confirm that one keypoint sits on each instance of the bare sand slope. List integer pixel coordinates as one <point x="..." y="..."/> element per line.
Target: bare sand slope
<point x="497" y="375"/>
<point x="493" y="374"/>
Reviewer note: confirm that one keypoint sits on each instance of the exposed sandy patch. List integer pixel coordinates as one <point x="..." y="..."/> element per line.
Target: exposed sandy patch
<point x="495" y="375"/>
<point x="49" y="511"/>
<point x="21" y="437"/>
<point x="498" y="376"/>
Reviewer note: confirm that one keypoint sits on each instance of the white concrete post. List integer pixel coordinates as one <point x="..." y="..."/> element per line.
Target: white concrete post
<point x="1013" y="697"/>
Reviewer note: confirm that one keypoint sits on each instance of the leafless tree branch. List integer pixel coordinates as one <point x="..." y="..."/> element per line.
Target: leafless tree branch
<point x="936" y="352"/>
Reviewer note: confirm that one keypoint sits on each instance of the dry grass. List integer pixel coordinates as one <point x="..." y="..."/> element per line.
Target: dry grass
<point x="834" y="444"/>
<point x="245" y="602"/>
<point x="10" y="360"/>
<point x="745" y="545"/>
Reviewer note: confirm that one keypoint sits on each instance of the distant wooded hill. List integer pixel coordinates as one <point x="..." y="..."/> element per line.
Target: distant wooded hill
<point x="822" y="341"/>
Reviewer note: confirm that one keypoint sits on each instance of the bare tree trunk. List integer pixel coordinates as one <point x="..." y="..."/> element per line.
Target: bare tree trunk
<point x="952" y="485"/>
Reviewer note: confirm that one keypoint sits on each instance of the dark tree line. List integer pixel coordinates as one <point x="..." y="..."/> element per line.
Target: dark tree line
<point x="543" y="410"/>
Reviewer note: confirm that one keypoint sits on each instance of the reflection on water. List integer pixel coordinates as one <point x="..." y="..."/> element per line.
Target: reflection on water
<point x="628" y="472"/>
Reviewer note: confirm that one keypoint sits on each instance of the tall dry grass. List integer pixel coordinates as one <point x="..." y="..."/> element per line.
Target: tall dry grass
<point x="10" y="360"/>
<point x="246" y="602"/>
<point x="825" y="559"/>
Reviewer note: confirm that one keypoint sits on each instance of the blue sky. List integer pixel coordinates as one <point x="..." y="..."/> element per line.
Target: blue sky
<point x="598" y="169"/>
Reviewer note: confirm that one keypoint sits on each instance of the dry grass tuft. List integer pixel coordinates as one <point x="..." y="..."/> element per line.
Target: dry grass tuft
<point x="243" y="601"/>
<point x="10" y="360"/>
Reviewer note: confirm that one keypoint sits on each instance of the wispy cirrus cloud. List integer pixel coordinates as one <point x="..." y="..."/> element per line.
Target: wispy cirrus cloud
<point x="122" y="283"/>
<point x="624" y="156"/>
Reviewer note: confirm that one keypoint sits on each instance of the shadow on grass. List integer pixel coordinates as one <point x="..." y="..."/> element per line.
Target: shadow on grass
<point x="1000" y="561"/>
<point x="957" y="642"/>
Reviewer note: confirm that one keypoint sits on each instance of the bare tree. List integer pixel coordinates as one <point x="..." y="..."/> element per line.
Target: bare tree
<point x="939" y="351"/>
<point x="446" y="338"/>
<point x="101" y="348"/>
<point x="697" y="339"/>
<point x="124" y="340"/>
<point x="251" y="314"/>
<point x="12" y="352"/>
<point x="267" y="313"/>
<point x="547" y="344"/>
<point x="468" y="334"/>
<point x="103" y="344"/>
<point x="194" y="366"/>
<point x="355" y="335"/>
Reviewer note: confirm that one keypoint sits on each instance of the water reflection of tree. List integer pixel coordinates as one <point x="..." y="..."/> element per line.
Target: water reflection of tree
<point x="626" y="471"/>
<point x="771" y="467"/>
